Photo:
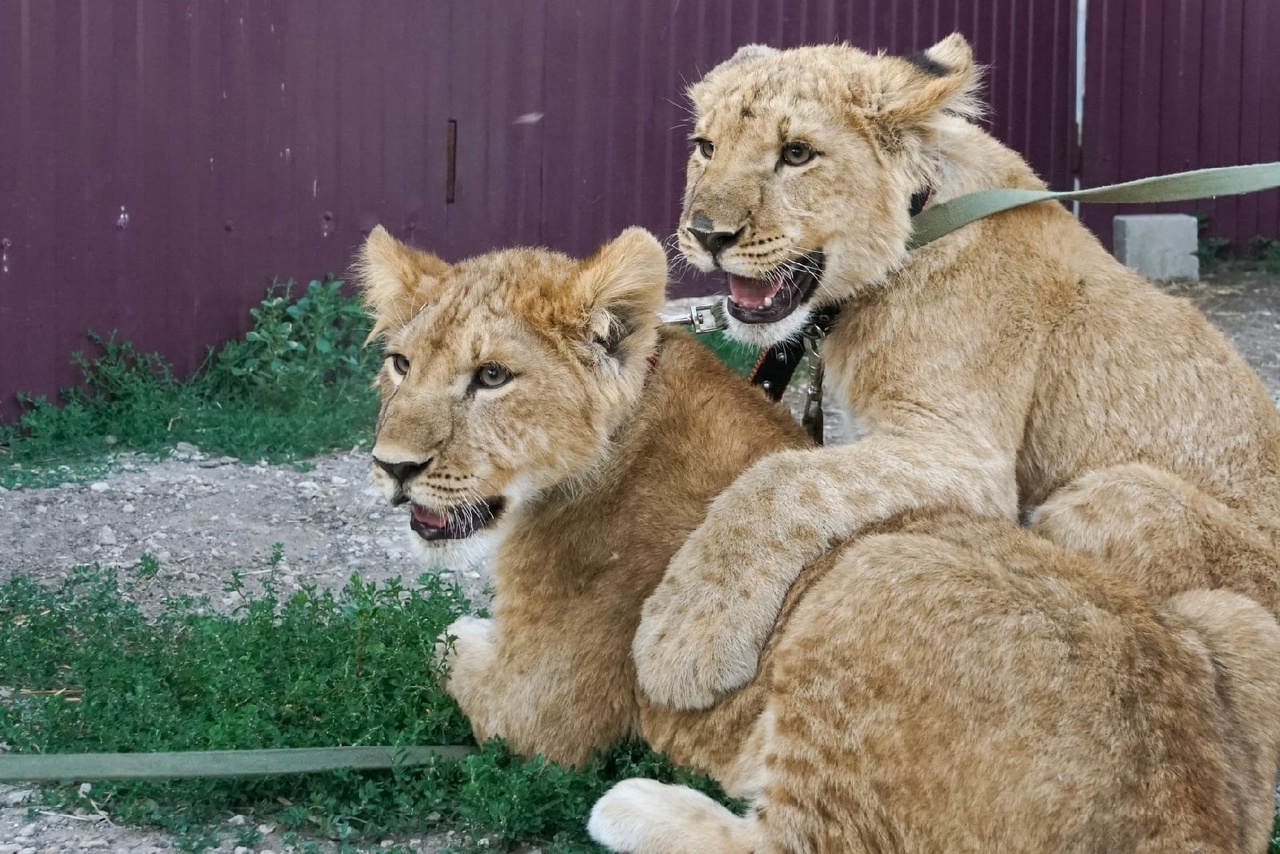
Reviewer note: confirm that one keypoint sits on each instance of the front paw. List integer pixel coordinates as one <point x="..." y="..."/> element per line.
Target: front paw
<point x="464" y="647"/>
<point x="702" y="629"/>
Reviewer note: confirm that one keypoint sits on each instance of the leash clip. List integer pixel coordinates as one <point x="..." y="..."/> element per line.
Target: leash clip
<point x="812" y="417"/>
<point x="705" y="317"/>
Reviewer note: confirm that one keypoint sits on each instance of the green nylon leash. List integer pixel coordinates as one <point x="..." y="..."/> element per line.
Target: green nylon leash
<point x="54" y="767"/>
<point x="946" y="217"/>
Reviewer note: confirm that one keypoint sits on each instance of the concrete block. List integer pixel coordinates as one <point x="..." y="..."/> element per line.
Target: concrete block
<point x="1159" y="246"/>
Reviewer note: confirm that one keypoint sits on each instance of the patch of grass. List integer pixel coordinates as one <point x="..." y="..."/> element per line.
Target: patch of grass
<point x="1211" y="250"/>
<point x="296" y="385"/>
<point x="88" y="672"/>
<point x="1268" y="250"/>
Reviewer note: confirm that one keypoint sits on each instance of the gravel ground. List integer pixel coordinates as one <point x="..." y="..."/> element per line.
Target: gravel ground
<point x="204" y="516"/>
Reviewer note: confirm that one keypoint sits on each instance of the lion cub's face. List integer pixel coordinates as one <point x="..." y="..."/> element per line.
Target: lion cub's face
<point x="803" y="167"/>
<point x="504" y="375"/>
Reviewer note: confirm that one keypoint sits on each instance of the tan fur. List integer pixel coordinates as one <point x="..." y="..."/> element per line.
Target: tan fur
<point x="942" y="683"/>
<point x="1012" y="368"/>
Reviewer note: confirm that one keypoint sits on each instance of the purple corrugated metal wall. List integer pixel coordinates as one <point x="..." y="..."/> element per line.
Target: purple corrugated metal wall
<point x="1171" y="86"/>
<point x="161" y="160"/>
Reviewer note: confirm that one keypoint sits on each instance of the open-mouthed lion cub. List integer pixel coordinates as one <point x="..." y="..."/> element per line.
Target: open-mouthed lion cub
<point x="945" y="683"/>
<point x="1011" y="368"/>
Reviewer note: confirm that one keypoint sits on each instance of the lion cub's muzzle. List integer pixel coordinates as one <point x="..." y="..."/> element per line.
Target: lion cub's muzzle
<point x="453" y="522"/>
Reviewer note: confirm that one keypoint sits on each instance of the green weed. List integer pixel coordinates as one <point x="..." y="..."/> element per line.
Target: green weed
<point x="1210" y="250"/>
<point x="296" y="385"/>
<point x="1268" y="250"/>
<point x="90" y="673"/>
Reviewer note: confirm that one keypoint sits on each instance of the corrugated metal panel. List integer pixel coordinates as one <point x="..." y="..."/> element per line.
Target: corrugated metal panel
<point x="163" y="160"/>
<point x="1186" y="85"/>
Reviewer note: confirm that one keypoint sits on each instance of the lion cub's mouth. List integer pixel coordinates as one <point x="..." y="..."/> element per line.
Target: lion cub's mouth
<point x="456" y="523"/>
<point x="772" y="298"/>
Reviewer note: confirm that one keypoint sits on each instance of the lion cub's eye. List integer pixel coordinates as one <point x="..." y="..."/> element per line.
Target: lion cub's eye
<point x="491" y="375"/>
<point x="400" y="364"/>
<point x="705" y="147"/>
<point x="797" y="153"/>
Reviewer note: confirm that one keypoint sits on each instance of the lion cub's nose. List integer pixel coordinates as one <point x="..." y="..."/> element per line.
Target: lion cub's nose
<point x="714" y="242"/>
<point x="402" y="471"/>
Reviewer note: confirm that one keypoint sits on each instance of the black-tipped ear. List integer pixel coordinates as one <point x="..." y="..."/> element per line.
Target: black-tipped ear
<point x="623" y="286"/>
<point x="924" y="85"/>
<point x="396" y="280"/>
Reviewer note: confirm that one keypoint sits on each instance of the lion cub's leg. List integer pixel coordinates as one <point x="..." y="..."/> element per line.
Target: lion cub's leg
<point x="1243" y="644"/>
<point x="647" y="817"/>
<point x="470" y="662"/>
<point x="1162" y="533"/>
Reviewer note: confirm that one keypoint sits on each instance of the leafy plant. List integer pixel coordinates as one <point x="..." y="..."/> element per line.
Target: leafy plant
<point x="297" y="384"/>
<point x="1209" y="249"/>
<point x="1268" y="250"/>
<point x="296" y="345"/>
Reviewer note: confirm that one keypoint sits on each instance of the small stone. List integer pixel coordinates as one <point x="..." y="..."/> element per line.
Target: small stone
<point x="238" y="820"/>
<point x="210" y="463"/>
<point x="431" y="817"/>
<point x="18" y="797"/>
<point x="240" y="849"/>
<point x="106" y="536"/>
<point x="27" y="830"/>
<point x="93" y="843"/>
<point x="54" y="849"/>
<point x="387" y="843"/>
<point x="126" y="508"/>
<point x="30" y="849"/>
<point x="228" y="461"/>
<point x="8" y="848"/>
<point x="86" y="789"/>
<point x="309" y="486"/>
<point x="186" y="448"/>
<point x="99" y="486"/>
<point x="110" y="440"/>
<point x="338" y="481"/>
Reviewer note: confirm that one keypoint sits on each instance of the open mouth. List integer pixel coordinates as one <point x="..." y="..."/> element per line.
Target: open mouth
<point x="772" y="298"/>
<point x="456" y="523"/>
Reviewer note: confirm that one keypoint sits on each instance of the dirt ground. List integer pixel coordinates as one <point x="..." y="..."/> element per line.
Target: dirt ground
<point x="204" y="516"/>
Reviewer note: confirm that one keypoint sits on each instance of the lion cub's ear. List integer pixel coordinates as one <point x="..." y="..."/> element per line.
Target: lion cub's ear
<point x="397" y="280"/>
<point x="917" y="88"/>
<point x="622" y="286"/>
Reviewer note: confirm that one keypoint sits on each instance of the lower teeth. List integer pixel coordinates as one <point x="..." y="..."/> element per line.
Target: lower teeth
<point x="768" y="302"/>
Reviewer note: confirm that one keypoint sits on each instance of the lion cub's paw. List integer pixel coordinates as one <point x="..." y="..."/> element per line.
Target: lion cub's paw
<point x="473" y="642"/>
<point x="690" y="649"/>
<point x="647" y="817"/>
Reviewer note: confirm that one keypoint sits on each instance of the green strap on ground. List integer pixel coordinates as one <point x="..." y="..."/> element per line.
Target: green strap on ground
<point x="48" y="768"/>
<point x="946" y="217"/>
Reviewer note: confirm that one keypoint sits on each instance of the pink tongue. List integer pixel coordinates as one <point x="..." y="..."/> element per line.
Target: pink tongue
<point x="751" y="293"/>
<point x="430" y="518"/>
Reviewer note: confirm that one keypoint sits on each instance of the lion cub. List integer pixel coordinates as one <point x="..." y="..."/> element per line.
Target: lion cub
<point x="941" y="683"/>
<point x="1012" y="368"/>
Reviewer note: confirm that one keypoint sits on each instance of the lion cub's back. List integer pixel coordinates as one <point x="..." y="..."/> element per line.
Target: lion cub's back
<point x="962" y="685"/>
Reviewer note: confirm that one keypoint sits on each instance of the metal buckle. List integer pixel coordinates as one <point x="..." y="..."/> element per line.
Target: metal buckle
<point x="706" y="317"/>
<point x="813" y="416"/>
